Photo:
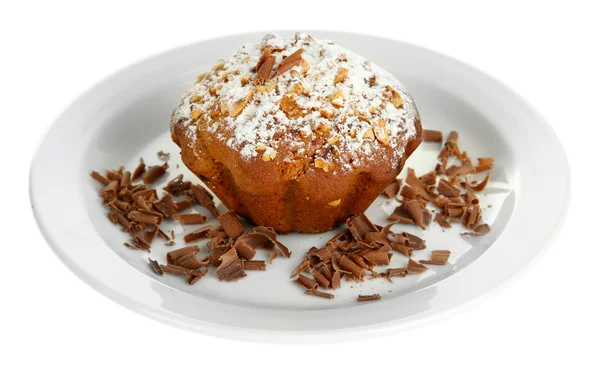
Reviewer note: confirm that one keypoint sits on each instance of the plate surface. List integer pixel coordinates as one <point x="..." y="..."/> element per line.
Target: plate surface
<point x="126" y="117"/>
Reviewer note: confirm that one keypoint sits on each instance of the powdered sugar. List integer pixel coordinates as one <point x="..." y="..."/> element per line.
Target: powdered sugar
<point x="301" y="111"/>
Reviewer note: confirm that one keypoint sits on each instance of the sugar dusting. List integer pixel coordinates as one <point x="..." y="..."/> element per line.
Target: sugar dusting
<point x="342" y="137"/>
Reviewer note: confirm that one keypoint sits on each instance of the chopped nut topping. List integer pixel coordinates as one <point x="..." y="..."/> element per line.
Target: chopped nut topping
<point x="238" y="106"/>
<point x="335" y="202"/>
<point x="326" y="114"/>
<point x="195" y="113"/>
<point x="395" y="98"/>
<point x="304" y="66"/>
<point x="337" y="99"/>
<point x="341" y="75"/>
<point x="269" y="154"/>
<point x="245" y="79"/>
<point x="380" y="131"/>
<point x="323" y="164"/>
<point x="200" y="77"/>
<point x="369" y="134"/>
<point x="332" y="140"/>
<point x="266" y="88"/>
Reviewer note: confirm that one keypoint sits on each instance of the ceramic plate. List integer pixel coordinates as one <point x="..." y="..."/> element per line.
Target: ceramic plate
<point x="126" y="117"/>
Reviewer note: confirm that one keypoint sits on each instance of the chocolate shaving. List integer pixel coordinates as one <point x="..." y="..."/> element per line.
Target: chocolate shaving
<point x="339" y="239"/>
<point x="447" y="189"/>
<point x="320" y="278"/>
<point x="401" y="215"/>
<point x="113" y="218"/>
<point x="480" y="186"/>
<point x="317" y="293"/>
<point x="413" y="241"/>
<point x="300" y="268"/>
<point x="145" y="217"/>
<point x="377" y="237"/>
<point x="484" y="164"/>
<point x="139" y="171"/>
<point x="140" y="243"/>
<point x="182" y="205"/>
<point x="408" y="192"/>
<point x="166" y="206"/>
<point x="455" y="210"/>
<point x="255" y="265"/>
<point x="466" y="167"/>
<point x="154" y="173"/>
<point x="480" y="230"/>
<point x="295" y="59"/>
<point x="416" y="212"/>
<point x="256" y="240"/>
<point x="98" y="177"/>
<point x="335" y="280"/>
<point x="377" y="257"/>
<point x="263" y="57"/>
<point x="365" y="298"/>
<point x="197" y="234"/>
<point x="269" y="232"/>
<point x="231" y="268"/>
<point x="156" y="267"/>
<point x="174" y="256"/>
<point x="189" y="261"/>
<point x="471" y="216"/>
<point x="273" y="255"/>
<point x="177" y="186"/>
<point x="163" y="155"/>
<point x="426" y="217"/>
<point x="452" y="137"/>
<point x="417" y="185"/>
<point x="350" y="266"/>
<point x="121" y="205"/>
<point x="198" y="275"/>
<point x="395" y="272"/>
<point x="359" y="225"/>
<point x="402" y="248"/>
<point x="360" y="261"/>
<point x="306" y="282"/>
<point x="414" y="267"/>
<point x="244" y="250"/>
<point x="114" y="176"/>
<point x="219" y="241"/>
<point x="177" y="270"/>
<point x="215" y="258"/>
<point x="438" y="257"/>
<point x="319" y="256"/>
<point x="470" y="198"/>
<point x="147" y="194"/>
<point x="203" y="198"/>
<point x="432" y="136"/>
<point x="189" y="218"/>
<point x="392" y="190"/>
<point x="109" y="192"/>
<point x="429" y="178"/>
<point x="442" y="220"/>
<point x="265" y="71"/>
<point x="163" y="234"/>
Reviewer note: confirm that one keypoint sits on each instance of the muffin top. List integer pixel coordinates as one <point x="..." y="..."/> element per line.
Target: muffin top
<point x="286" y="99"/>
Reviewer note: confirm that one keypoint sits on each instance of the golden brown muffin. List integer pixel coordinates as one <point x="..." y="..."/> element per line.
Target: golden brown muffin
<point x="299" y="143"/>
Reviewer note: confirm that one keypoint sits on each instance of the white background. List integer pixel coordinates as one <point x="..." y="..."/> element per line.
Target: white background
<point x="547" y="52"/>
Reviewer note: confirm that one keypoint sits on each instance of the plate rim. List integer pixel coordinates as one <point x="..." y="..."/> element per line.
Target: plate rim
<point x="293" y="336"/>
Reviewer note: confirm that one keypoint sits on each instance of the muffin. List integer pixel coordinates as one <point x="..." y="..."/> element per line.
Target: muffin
<point x="296" y="133"/>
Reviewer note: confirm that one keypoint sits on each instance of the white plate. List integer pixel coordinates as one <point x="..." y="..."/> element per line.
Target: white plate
<point x="126" y="117"/>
